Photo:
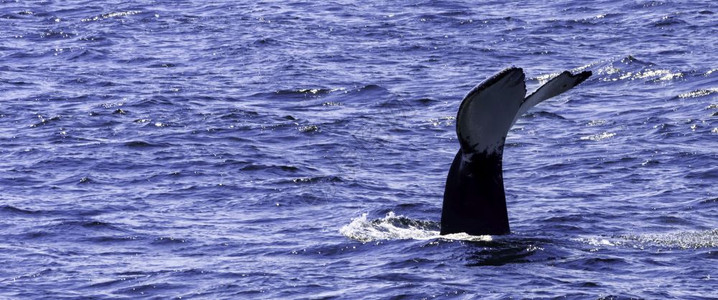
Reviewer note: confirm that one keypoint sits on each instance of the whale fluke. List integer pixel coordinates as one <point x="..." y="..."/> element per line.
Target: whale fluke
<point x="474" y="199"/>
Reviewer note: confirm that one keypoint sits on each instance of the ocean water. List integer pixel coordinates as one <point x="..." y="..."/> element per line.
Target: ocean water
<point x="284" y="149"/>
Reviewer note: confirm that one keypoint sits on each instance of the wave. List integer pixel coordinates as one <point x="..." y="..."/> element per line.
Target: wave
<point x="304" y="92"/>
<point x="111" y="15"/>
<point x="698" y="93"/>
<point x="627" y="68"/>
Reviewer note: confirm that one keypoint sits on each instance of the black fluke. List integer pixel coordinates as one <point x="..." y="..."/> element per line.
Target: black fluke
<point x="474" y="198"/>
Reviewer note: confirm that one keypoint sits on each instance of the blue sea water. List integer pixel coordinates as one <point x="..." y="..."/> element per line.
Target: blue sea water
<point x="285" y="149"/>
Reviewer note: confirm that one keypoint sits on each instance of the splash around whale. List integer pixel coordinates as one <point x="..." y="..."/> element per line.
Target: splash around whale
<point x="474" y="198"/>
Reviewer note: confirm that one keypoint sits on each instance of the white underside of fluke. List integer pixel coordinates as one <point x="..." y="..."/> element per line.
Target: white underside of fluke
<point x="486" y="113"/>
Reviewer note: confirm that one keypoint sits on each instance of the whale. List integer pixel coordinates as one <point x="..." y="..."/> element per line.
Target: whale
<point x="474" y="197"/>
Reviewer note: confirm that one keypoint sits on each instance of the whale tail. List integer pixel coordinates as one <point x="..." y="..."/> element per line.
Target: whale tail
<point x="474" y="198"/>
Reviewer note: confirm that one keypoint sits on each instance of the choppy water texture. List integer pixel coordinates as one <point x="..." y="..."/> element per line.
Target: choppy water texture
<point x="287" y="150"/>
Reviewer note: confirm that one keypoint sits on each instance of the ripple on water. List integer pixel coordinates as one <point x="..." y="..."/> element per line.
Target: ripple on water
<point x="163" y="149"/>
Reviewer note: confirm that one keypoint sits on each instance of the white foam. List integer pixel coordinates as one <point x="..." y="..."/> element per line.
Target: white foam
<point x="598" y="137"/>
<point x="680" y="240"/>
<point x="393" y="227"/>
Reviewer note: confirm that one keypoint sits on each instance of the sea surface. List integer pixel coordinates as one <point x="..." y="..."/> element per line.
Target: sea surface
<point x="291" y="149"/>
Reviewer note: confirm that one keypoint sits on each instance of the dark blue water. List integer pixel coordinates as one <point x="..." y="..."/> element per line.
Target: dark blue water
<point x="281" y="149"/>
